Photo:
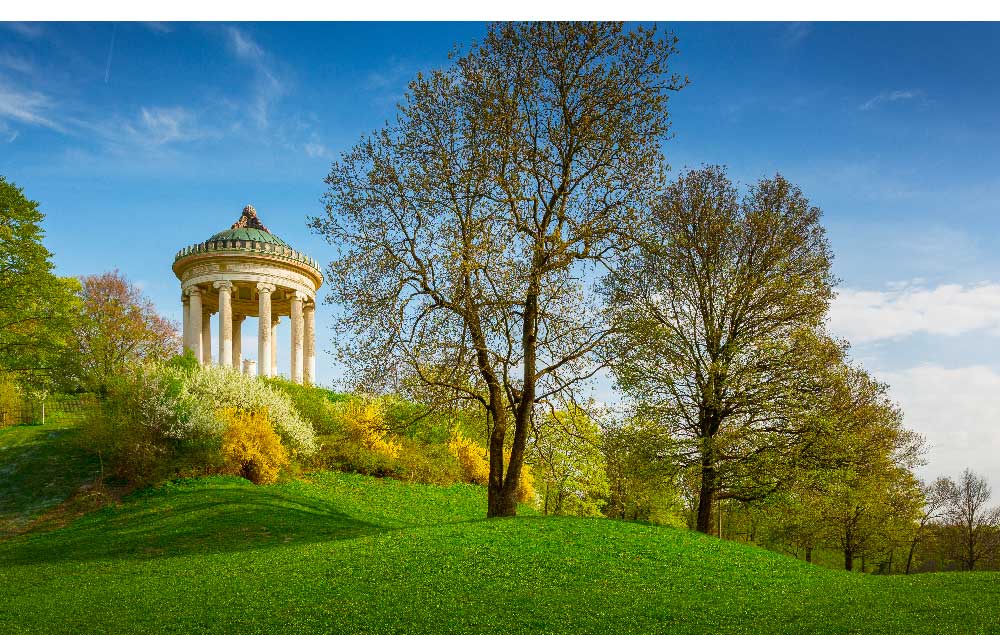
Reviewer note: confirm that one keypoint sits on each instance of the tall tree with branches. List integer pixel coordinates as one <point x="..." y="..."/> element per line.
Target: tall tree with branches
<point x="468" y="229"/>
<point x="36" y="307"/>
<point x="975" y="526"/>
<point x="118" y="325"/>
<point x="720" y="313"/>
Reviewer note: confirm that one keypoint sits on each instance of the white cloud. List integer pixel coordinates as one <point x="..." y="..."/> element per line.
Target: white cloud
<point x="948" y="310"/>
<point x="316" y="151"/>
<point x="795" y="32"/>
<point x="7" y="134"/>
<point x="958" y="411"/>
<point x="158" y="27"/>
<point x="268" y="87"/>
<point x="16" y="63"/>
<point x="25" y="29"/>
<point x="891" y="96"/>
<point x="30" y="108"/>
<point x="165" y="125"/>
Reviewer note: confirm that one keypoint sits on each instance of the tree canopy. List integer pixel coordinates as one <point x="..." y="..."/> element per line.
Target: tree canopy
<point x="36" y="306"/>
<point x="469" y="228"/>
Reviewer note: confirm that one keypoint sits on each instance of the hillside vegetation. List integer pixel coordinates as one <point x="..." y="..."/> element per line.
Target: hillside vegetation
<point x="356" y="554"/>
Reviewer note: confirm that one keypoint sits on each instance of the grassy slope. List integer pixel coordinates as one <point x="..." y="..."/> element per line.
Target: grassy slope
<point x="346" y="553"/>
<point x="40" y="467"/>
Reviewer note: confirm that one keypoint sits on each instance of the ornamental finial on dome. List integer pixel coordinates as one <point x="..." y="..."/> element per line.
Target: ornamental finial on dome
<point x="249" y="219"/>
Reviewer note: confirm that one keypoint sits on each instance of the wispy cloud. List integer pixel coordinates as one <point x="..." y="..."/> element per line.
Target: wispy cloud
<point x="267" y="86"/>
<point x="7" y="134"/>
<point x="31" y="108"/>
<point x="886" y="97"/>
<point x="317" y="151"/>
<point x="794" y="33"/>
<point x="31" y="30"/>
<point x="16" y="63"/>
<point x="910" y="309"/>
<point x="167" y="125"/>
<point x="158" y="27"/>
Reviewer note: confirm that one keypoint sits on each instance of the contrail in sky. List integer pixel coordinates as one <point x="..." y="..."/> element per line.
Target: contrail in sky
<point x="111" y="51"/>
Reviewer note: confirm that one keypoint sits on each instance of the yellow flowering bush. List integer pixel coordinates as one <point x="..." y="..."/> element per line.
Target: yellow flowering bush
<point x="471" y="457"/>
<point x="364" y="422"/>
<point x="250" y="446"/>
<point x="474" y="461"/>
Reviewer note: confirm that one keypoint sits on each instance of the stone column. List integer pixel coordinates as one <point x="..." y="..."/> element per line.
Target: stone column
<point x="296" y="353"/>
<point x="185" y="321"/>
<point x="264" y="329"/>
<point x="225" y="322"/>
<point x="309" y="365"/>
<point x="274" y="345"/>
<point x="238" y="340"/>
<point x="206" y="337"/>
<point x="195" y="315"/>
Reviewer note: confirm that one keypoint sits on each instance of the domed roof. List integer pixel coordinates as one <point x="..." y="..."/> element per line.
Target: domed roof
<point x="249" y="227"/>
<point x="247" y="234"/>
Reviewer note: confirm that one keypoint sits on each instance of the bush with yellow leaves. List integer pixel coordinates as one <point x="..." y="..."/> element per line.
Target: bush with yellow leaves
<point x="364" y="422"/>
<point x="471" y="457"/>
<point x="250" y="446"/>
<point x="475" y="464"/>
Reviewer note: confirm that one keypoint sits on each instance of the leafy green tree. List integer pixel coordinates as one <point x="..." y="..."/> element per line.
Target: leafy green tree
<point x="935" y="497"/>
<point x="642" y="473"/>
<point x="858" y="494"/>
<point x="469" y="228"/>
<point x="568" y="464"/>
<point x="117" y="326"/>
<point x="718" y="313"/>
<point x="36" y="306"/>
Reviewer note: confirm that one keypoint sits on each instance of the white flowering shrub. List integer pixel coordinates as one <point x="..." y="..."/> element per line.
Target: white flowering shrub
<point x="214" y="388"/>
<point x="164" y="420"/>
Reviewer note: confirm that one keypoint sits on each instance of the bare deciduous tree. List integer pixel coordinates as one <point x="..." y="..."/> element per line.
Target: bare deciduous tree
<point x="468" y="228"/>
<point x="974" y="523"/>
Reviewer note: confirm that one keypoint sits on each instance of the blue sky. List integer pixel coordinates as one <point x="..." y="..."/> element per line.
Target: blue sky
<point x="138" y="139"/>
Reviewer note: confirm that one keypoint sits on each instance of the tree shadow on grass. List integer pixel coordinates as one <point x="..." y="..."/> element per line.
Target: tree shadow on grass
<point x="40" y="467"/>
<point x="230" y="515"/>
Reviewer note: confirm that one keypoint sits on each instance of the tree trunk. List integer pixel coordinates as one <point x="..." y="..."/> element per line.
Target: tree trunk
<point x="706" y="497"/>
<point x="909" y="556"/>
<point x="848" y="559"/>
<point x="809" y="555"/>
<point x="497" y="503"/>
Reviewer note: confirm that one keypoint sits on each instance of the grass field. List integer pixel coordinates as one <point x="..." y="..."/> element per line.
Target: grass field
<point x="343" y="553"/>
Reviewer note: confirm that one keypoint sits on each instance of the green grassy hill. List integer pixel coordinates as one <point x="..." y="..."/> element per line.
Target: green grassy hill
<point x="343" y="553"/>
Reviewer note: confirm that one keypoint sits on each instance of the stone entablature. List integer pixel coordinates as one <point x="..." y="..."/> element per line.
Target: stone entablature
<point x="236" y="278"/>
<point x="253" y="246"/>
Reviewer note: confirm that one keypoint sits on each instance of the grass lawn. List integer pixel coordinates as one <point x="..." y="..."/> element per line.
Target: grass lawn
<point x="350" y="554"/>
<point x="40" y="467"/>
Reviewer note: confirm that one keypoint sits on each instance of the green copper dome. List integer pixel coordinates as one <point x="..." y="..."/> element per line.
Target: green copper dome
<point x="249" y="233"/>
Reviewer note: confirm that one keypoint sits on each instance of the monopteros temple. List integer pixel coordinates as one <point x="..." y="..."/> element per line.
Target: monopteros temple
<point x="248" y="271"/>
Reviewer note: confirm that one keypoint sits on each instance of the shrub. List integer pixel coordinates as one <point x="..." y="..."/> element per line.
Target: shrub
<point x="426" y="463"/>
<point x="161" y="420"/>
<point x="364" y="422"/>
<point x="472" y="458"/>
<point x="314" y="404"/>
<point x="526" y="486"/>
<point x="250" y="446"/>
<point x="214" y="388"/>
<point x="475" y="466"/>
<point x="142" y="429"/>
